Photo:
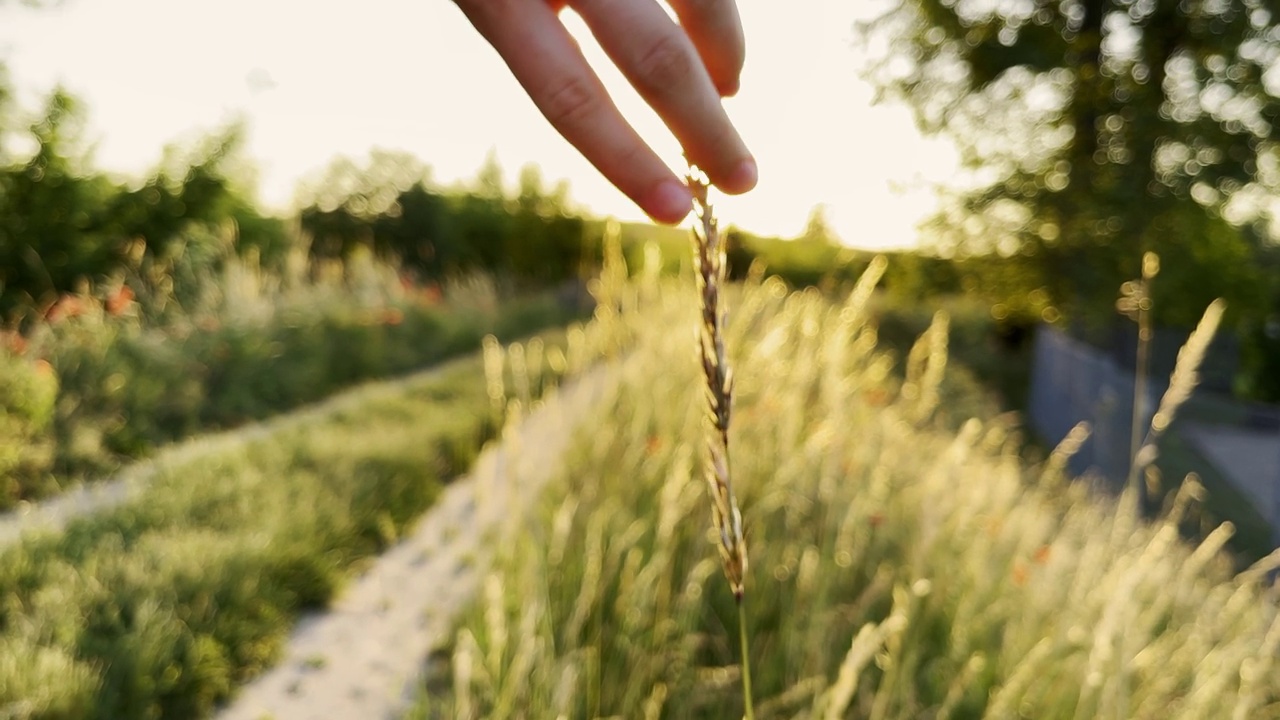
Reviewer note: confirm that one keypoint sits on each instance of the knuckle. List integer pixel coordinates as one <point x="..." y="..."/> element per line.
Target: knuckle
<point x="666" y="65"/>
<point x="635" y="156"/>
<point x="570" y="101"/>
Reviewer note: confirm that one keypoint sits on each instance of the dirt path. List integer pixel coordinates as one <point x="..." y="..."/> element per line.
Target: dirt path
<point x="362" y="659"/>
<point x="54" y="513"/>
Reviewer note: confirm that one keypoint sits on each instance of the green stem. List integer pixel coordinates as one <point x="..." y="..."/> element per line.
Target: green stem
<point x="749" y="712"/>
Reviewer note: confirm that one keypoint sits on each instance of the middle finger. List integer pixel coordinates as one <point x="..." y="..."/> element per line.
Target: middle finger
<point x="659" y="60"/>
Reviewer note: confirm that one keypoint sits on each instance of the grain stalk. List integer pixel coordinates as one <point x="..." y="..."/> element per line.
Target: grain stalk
<point x="1135" y="302"/>
<point x="709" y="263"/>
<point x="1182" y="383"/>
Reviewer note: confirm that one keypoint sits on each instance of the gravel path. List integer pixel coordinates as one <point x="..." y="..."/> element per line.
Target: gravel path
<point x="363" y="658"/>
<point x="54" y="513"/>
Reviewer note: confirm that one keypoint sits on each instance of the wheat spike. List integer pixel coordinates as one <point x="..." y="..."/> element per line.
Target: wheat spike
<point x="709" y="257"/>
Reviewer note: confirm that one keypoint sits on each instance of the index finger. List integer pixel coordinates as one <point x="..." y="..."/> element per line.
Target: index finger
<point x="547" y="62"/>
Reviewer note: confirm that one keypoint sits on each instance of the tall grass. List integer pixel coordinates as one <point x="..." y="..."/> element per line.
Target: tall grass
<point x="134" y="369"/>
<point x="898" y="570"/>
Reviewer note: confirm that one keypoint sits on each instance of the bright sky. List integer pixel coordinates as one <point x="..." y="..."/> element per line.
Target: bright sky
<point x="318" y="79"/>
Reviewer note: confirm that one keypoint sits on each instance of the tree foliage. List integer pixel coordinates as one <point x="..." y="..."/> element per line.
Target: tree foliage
<point x="390" y="206"/>
<point x="63" y="225"/>
<point x="1097" y="130"/>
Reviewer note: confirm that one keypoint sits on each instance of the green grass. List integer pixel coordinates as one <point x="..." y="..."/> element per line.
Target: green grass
<point x="898" y="569"/>
<point x="161" y="608"/>
<point x="986" y="377"/>
<point x="998" y="372"/>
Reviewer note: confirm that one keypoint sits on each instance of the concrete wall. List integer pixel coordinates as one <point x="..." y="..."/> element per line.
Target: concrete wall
<point x="1072" y="382"/>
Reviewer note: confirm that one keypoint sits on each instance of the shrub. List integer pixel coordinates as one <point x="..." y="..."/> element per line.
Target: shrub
<point x="258" y="344"/>
<point x="28" y="391"/>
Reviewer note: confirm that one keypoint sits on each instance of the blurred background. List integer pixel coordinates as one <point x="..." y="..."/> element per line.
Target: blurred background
<point x="1016" y="161"/>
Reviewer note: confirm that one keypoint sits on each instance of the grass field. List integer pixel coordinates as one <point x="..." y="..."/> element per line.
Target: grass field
<point x="905" y="562"/>
<point x="898" y="569"/>
<point x="161" y="608"/>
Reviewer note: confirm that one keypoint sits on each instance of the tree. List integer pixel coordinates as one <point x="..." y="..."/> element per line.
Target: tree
<point x="63" y="225"/>
<point x="340" y="205"/>
<point x="489" y="182"/>
<point x="1094" y="127"/>
<point x="817" y="229"/>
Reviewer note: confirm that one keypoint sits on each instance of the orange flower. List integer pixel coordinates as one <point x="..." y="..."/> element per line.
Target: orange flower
<point x="392" y="316"/>
<point x="14" y="342"/>
<point x="430" y="295"/>
<point x="1019" y="574"/>
<point x="876" y="397"/>
<point x="120" y="300"/>
<point x="67" y="306"/>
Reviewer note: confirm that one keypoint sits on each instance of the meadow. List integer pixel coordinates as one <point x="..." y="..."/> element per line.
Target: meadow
<point x="898" y="568"/>
<point x="906" y="560"/>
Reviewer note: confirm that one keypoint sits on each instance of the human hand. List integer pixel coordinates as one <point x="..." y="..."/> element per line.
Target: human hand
<point x="682" y="71"/>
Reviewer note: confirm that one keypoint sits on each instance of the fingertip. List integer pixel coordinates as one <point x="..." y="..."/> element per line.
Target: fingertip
<point x="669" y="202"/>
<point x="741" y="179"/>
<point x="728" y="87"/>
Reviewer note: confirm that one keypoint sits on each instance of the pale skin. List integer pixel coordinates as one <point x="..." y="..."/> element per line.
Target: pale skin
<point x="682" y="70"/>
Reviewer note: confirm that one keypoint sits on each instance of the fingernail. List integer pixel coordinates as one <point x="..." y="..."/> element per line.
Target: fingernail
<point x="670" y="202"/>
<point x="743" y="178"/>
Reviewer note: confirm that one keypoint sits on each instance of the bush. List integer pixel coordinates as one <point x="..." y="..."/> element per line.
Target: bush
<point x="126" y="384"/>
<point x="28" y="392"/>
